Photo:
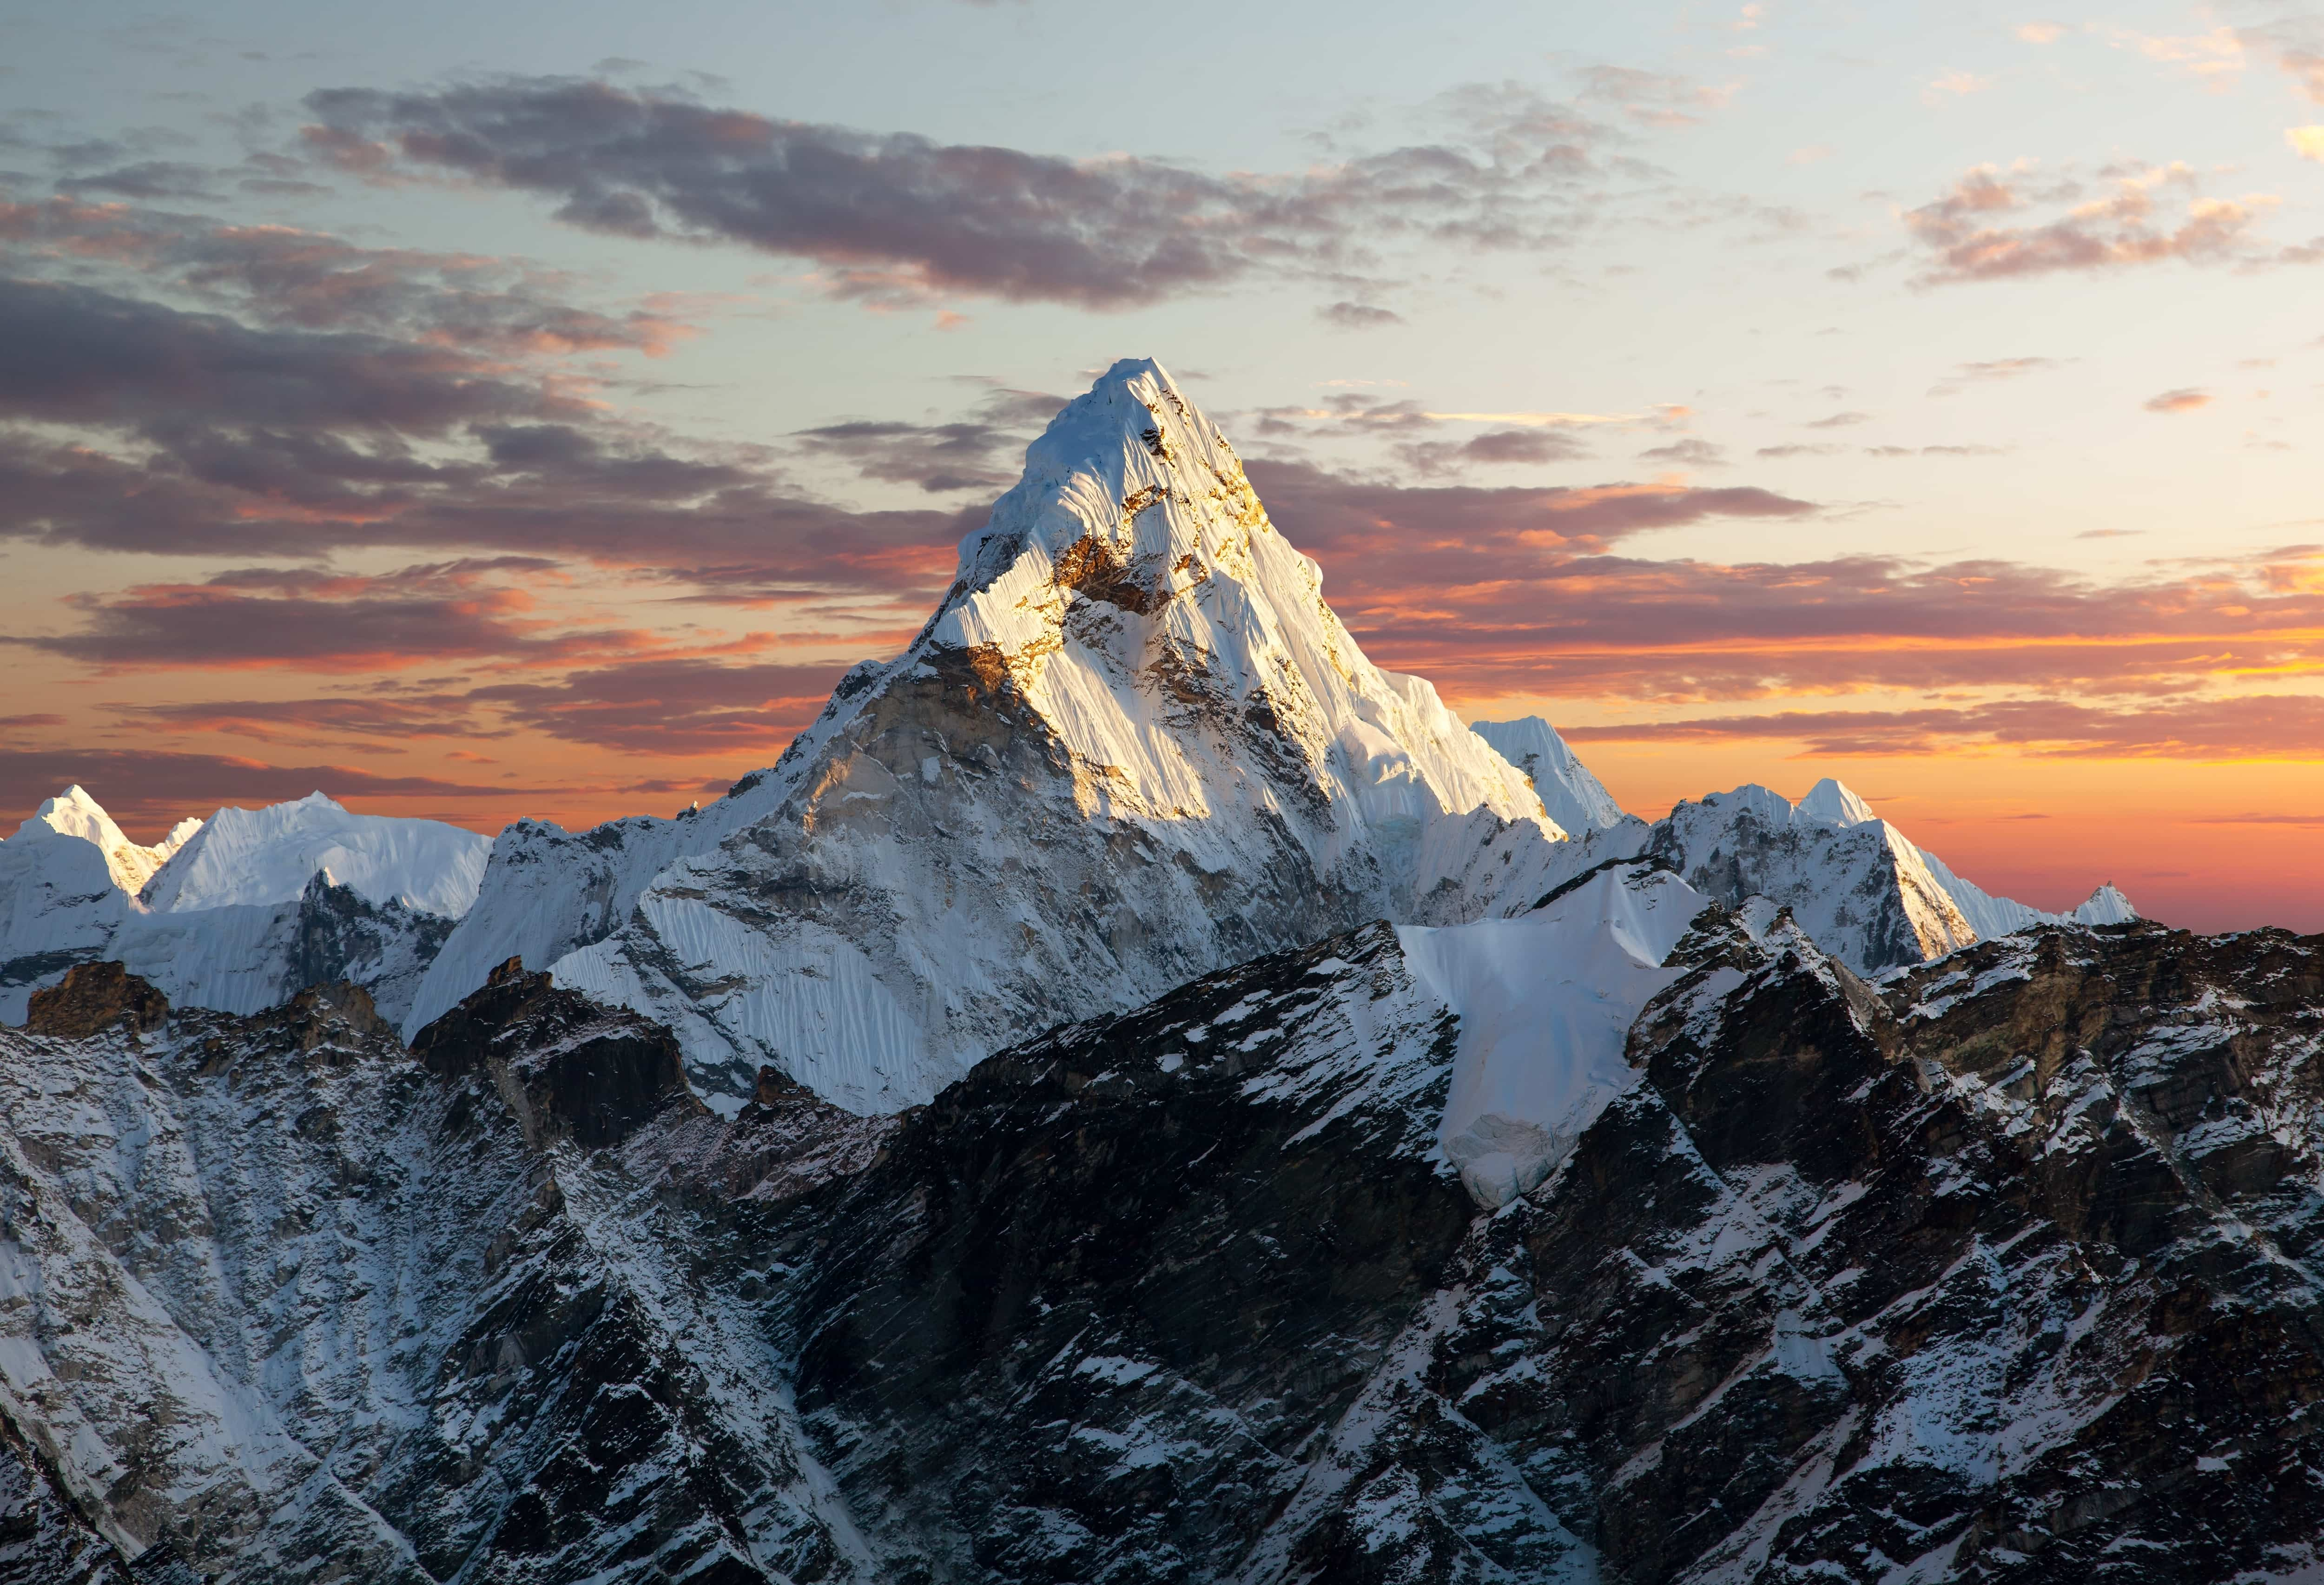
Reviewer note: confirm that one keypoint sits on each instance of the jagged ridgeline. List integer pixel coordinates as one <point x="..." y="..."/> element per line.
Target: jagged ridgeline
<point x="1138" y="1094"/>
<point x="1133" y="744"/>
<point x="2002" y="1268"/>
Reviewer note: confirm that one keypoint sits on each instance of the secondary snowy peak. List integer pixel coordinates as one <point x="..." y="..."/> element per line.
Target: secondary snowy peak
<point x="1861" y="889"/>
<point x="73" y="813"/>
<point x="1576" y="799"/>
<point x="263" y="856"/>
<point x="237" y="913"/>
<point x="1131" y="745"/>
<point x="2105" y="906"/>
<point x="1831" y="800"/>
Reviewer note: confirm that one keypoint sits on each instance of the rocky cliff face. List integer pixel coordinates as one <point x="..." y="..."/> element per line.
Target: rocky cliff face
<point x="2003" y="1267"/>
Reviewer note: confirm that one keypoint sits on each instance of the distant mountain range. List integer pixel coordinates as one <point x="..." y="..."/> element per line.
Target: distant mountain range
<point x="1138" y="1092"/>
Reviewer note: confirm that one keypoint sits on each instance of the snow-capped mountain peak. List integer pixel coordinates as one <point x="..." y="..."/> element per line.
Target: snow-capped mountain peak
<point x="1133" y="744"/>
<point x="246" y="856"/>
<point x="1576" y="799"/>
<point x="2105" y="906"/>
<point x="1833" y="800"/>
<point x="74" y="813"/>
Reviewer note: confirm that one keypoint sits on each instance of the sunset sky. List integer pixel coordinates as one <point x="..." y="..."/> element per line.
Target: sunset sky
<point x="476" y="411"/>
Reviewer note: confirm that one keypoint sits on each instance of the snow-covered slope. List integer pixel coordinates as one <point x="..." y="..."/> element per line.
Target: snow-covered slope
<point x="1545" y="1002"/>
<point x="1132" y="744"/>
<point x="1575" y="799"/>
<point x="238" y="912"/>
<point x="242" y="856"/>
<point x="58" y="905"/>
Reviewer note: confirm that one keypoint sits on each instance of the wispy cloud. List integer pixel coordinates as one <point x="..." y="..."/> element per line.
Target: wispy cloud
<point x="2186" y="399"/>
<point x="2255" y="726"/>
<point x="2142" y="216"/>
<point x="894" y="217"/>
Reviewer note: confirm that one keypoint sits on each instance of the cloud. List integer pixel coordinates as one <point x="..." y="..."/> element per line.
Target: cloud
<point x="284" y="276"/>
<point x="981" y="452"/>
<point x="1967" y="237"/>
<point x="1691" y="451"/>
<point x="2185" y="399"/>
<point x="1494" y="593"/>
<point x="1839" y="421"/>
<point x="366" y="715"/>
<point x="318" y="622"/>
<point x="1955" y="84"/>
<point x="1352" y="315"/>
<point x="2216" y="57"/>
<point x="1654" y="98"/>
<point x="2306" y="141"/>
<point x="2306" y="68"/>
<point x="75" y="353"/>
<point x="2262" y="726"/>
<point x="198" y="434"/>
<point x="1991" y="370"/>
<point x="676" y="706"/>
<point x="894" y="217"/>
<point x="2041" y="32"/>
<point x="147" y="178"/>
<point x="152" y="788"/>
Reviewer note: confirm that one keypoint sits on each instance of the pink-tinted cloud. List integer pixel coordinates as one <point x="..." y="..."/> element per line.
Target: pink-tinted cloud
<point x="269" y="617"/>
<point x="2263" y="726"/>
<point x="2185" y="399"/>
<point x="1988" y="227"/>
<point x="679" y="707"/>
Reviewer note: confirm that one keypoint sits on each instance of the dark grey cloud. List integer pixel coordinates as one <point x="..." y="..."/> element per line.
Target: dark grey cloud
<point x="1537" y="446"/>
<point x="75" y="353"/>
<point x="671" y="706"/>
<point x="894" y="215"/>
<point x="1354" y="316"/>
<point x="315" y="620"/>
<point x="281" y="276"/>
<point x="1691" y="451"/>
<point x="982" y="451"/>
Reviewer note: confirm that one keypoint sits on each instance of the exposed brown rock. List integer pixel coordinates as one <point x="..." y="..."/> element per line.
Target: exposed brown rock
<point x="94" y="997"/>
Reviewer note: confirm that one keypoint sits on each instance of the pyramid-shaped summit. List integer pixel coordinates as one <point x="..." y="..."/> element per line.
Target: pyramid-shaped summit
<point x="1132" y="745"/>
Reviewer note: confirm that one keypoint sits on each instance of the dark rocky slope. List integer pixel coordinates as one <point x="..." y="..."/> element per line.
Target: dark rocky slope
<point x="2005" y="1268"/>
